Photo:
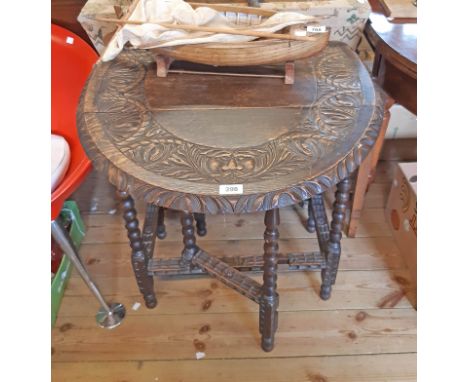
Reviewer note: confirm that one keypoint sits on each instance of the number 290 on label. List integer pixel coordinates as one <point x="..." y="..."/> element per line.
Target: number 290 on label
<point x="231" y="189"/>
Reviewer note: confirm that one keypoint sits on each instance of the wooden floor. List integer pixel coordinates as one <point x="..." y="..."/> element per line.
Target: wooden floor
<point x="365" y="332"/>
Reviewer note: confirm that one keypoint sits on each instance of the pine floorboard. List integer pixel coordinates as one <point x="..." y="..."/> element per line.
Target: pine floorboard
<point x="365" y="332"/>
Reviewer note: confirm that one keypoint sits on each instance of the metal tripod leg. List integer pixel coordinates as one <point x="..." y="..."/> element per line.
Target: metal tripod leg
<point x="107" y="317"/>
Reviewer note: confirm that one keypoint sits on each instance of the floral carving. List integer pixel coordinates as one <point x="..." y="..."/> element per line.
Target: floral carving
<point x="325" y="127"/>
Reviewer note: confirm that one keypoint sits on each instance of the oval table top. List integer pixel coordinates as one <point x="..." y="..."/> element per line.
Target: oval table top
<point x="175" y="140"/>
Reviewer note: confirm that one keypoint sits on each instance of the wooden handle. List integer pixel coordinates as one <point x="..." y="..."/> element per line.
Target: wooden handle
<point x="196" y="28"/>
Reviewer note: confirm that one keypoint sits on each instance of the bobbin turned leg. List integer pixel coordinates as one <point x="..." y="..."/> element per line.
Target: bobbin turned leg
<point x="201" y="223"/>
<point x="334" y="246"/>
<point x="270" y="298"/>
<point x="188" y="231"/>
<point x="310" y="225"/>
<point x="161" y="228"/>
<point x="139" y="259"/>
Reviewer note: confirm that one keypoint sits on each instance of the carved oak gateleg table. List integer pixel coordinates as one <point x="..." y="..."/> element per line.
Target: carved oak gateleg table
<point x="212" y="144"/>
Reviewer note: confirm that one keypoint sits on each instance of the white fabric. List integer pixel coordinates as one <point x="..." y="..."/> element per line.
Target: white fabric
<point x="60" y="159"/>
<point x="147" y="36"/>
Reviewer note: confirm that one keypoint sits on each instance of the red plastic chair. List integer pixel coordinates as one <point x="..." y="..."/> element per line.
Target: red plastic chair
<point x="72" y="61"/>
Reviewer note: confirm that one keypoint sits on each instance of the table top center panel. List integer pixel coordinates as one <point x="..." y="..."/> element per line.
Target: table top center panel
<point x="225" y="128"/>
<point x="211" y="91"/>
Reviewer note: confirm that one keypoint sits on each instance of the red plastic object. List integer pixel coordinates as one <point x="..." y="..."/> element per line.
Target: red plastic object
<point x="72" y="61"/>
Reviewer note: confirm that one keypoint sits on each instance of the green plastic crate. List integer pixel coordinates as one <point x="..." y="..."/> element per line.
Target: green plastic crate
<point x="71" y="213"/>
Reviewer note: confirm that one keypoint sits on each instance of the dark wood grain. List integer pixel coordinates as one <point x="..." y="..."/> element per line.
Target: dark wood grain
<point x="282" y="147"/>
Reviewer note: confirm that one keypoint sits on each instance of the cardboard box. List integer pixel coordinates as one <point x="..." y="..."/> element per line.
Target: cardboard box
<point x="401" y="213"/>
<point x="402" y="124"/>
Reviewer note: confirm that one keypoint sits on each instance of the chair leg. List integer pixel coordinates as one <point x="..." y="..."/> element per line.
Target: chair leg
<point x="161" y="228"/>
<point x="108" y="316"/>
<point x="201" y="224"/>
<point x="270" y="299"/>
<point x="334" y="242"/>
<point x="139" y="259"/>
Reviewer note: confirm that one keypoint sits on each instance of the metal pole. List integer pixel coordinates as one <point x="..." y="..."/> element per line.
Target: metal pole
<point x="108" y="316"/>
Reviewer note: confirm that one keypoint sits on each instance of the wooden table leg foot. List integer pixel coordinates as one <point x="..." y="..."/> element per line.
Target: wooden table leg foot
<point x="201" y="224"/>
<point x="150" y="301"/>
<point x="139" y="259"/>
<point x="268" y="321"/>
<point x="161" y="228"/>
<point x="310" y="224"/>
<point x="325" y="291"/>
<point x="334" y="242"/>
<point x="270" y="299"/>
<point x="268" y="343"/>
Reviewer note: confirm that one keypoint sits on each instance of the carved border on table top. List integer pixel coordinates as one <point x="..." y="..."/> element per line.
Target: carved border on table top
<point x="214" y="204"/>
<point x="236" y="204"/>
<point x="136" y="133"/>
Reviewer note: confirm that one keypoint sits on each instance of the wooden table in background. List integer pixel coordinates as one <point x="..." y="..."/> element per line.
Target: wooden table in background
<point x="395" y="62"/>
